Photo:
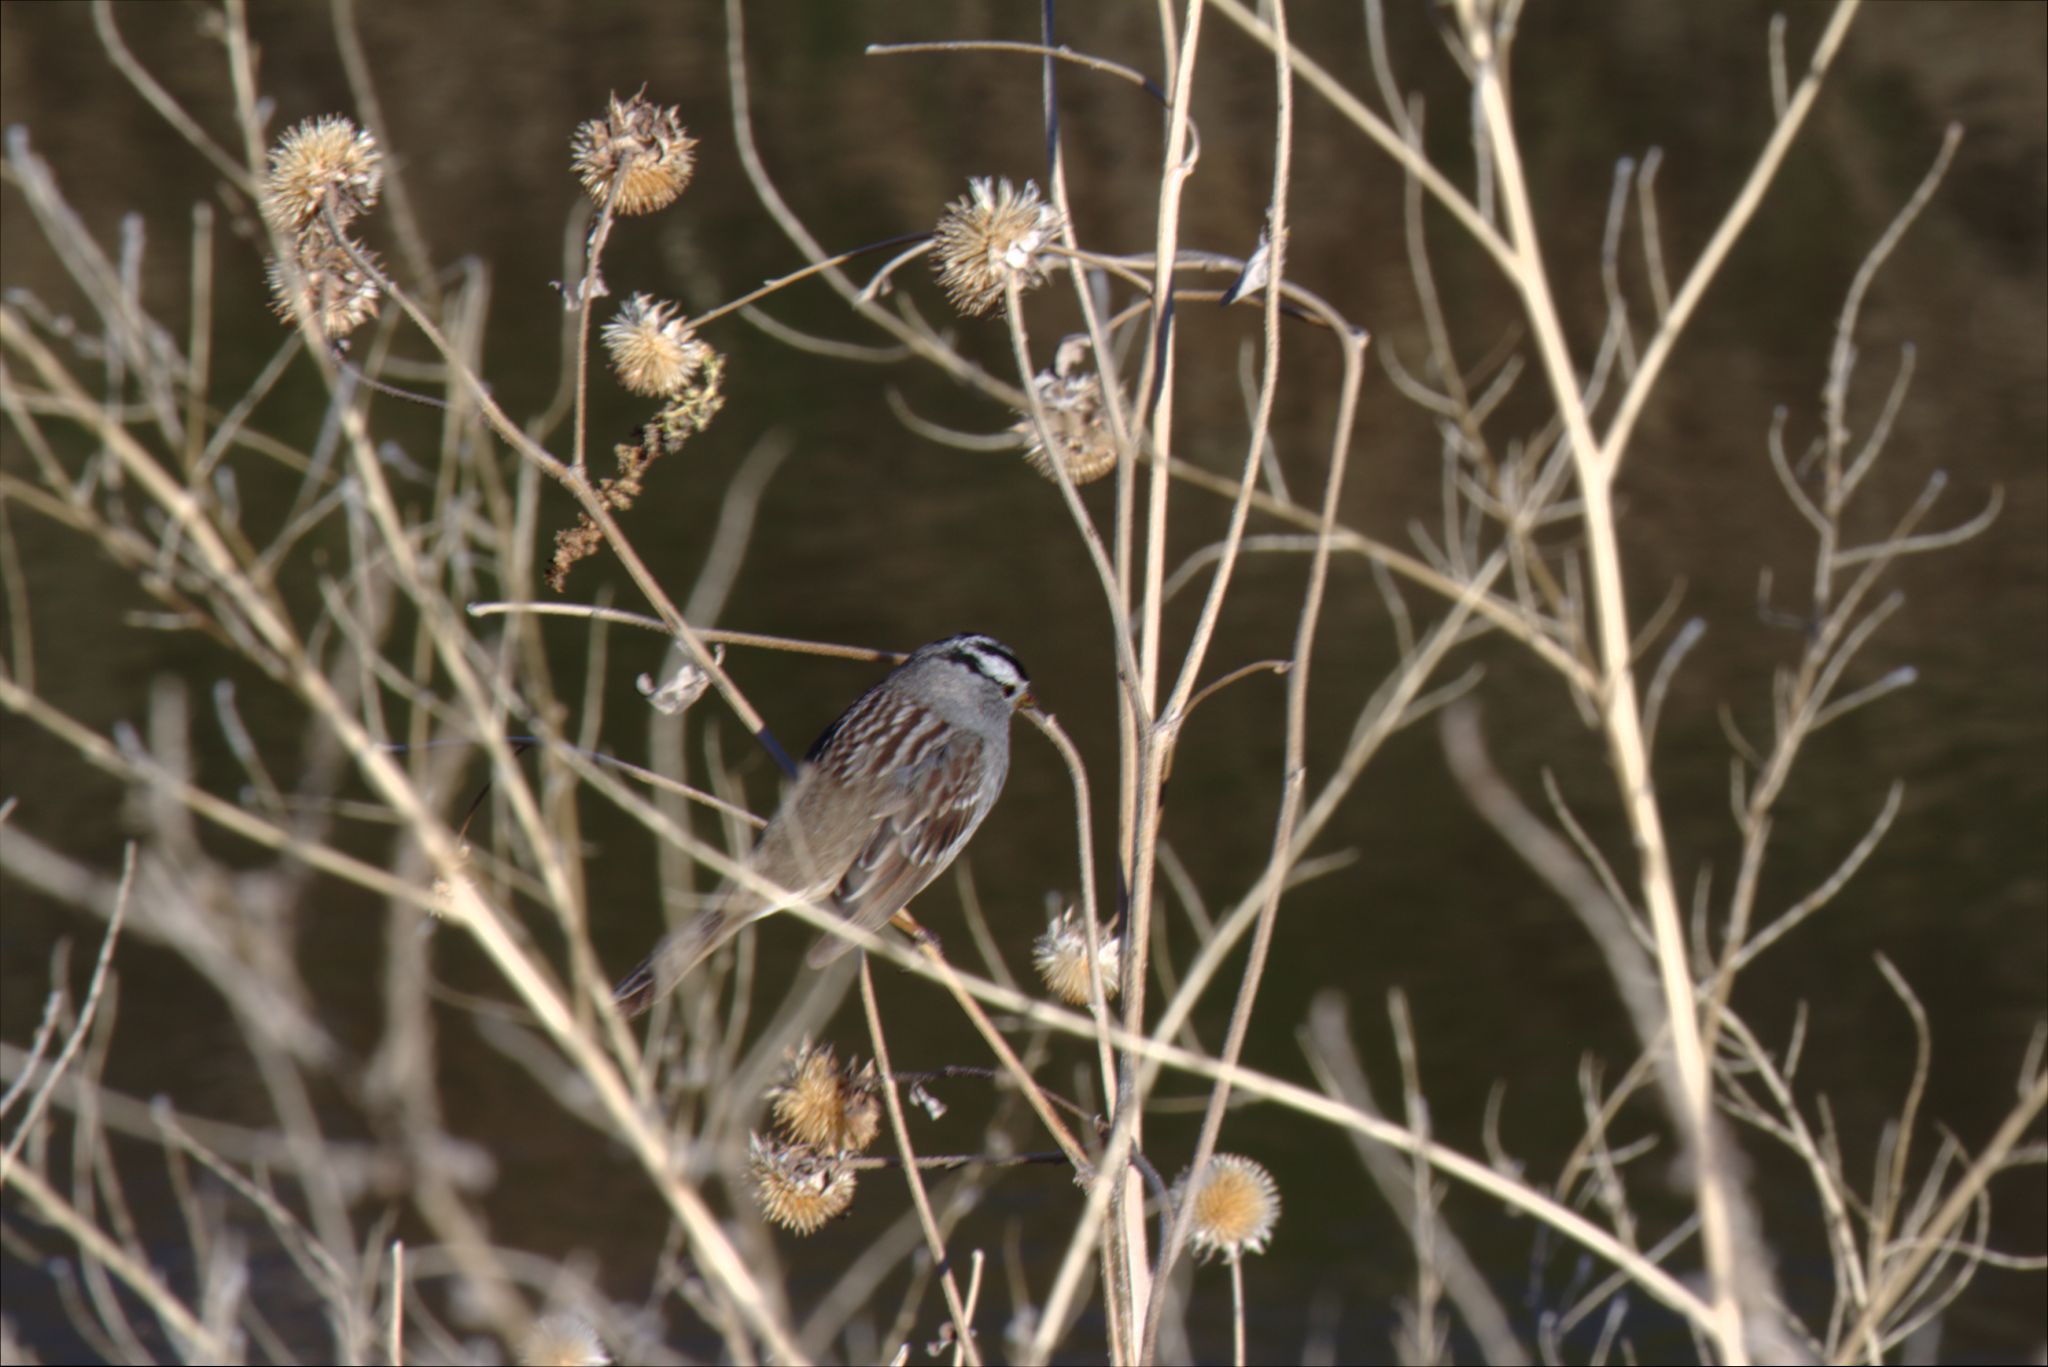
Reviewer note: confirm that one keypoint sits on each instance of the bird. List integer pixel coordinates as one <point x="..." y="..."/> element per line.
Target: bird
<point x="883" y="802"/>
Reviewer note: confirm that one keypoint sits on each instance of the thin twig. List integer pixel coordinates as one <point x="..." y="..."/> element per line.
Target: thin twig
<point x="935" y="1242"/>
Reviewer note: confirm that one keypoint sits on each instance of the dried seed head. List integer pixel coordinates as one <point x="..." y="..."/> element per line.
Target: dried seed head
<point x="654" y="349"/>
<point x="796" y="1186"/>
<point x="1236" y="1203"/>
<point x="832" y="1109"/>
<point x="563" y="1340"/>
<point x="318" y="161"/>
<point x="1062" y="958"/>
<point x="990" y="238"/>
<point x="322" y="284"/>
<point x="1070" y="396"/>
<point x="639" y="152"/>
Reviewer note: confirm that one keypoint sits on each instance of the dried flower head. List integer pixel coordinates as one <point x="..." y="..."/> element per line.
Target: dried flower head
<point x="991" y="238"/>
<point x="1236" y="1203"/>
<point x="653" y="347"/>
<point x="637" y="152"/>
<point x="563" y="1340"/>
<point x="1062" y="958"/>
<point x="319" y="161"/>
<point x="830" y="1108"/>
<point x="796" y="1186"/>
<point x="321" y="283"/>
<point x="1070" y="396"/>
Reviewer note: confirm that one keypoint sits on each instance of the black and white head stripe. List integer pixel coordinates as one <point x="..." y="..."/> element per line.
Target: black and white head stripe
<point x="986" y="656"/>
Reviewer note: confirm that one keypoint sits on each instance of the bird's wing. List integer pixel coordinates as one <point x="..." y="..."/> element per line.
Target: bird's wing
<point x="913" y="840"/>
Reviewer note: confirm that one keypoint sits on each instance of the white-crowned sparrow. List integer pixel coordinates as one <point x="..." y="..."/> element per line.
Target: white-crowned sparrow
<point x="885" y="799"/>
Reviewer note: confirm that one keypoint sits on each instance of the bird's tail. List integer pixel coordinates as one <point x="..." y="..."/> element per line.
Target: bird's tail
<point x="680" y="951"/>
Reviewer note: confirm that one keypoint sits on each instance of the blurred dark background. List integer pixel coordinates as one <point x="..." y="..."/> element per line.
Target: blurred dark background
<point x="873" y="535"/>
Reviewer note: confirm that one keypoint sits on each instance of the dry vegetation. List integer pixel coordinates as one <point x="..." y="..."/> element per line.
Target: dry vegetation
<point x="422" y="652"/>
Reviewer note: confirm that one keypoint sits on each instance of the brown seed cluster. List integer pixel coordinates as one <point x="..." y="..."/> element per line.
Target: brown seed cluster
<point x="798" y="1187"/>
<point x="1076" y="421"/>
<point x="827" y="1113"/>
<point x="324" y="173"/>
<point x="1061" y="955"/>
<point x="826" y="1106"/>
<point x="319" y="163"/>
<point x="321" y="282"/>
<point x="1235" y="1202"/>
<point x="637" y="157"/>
<point x="991" y="239"/>
<point x="653" y="348"/>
